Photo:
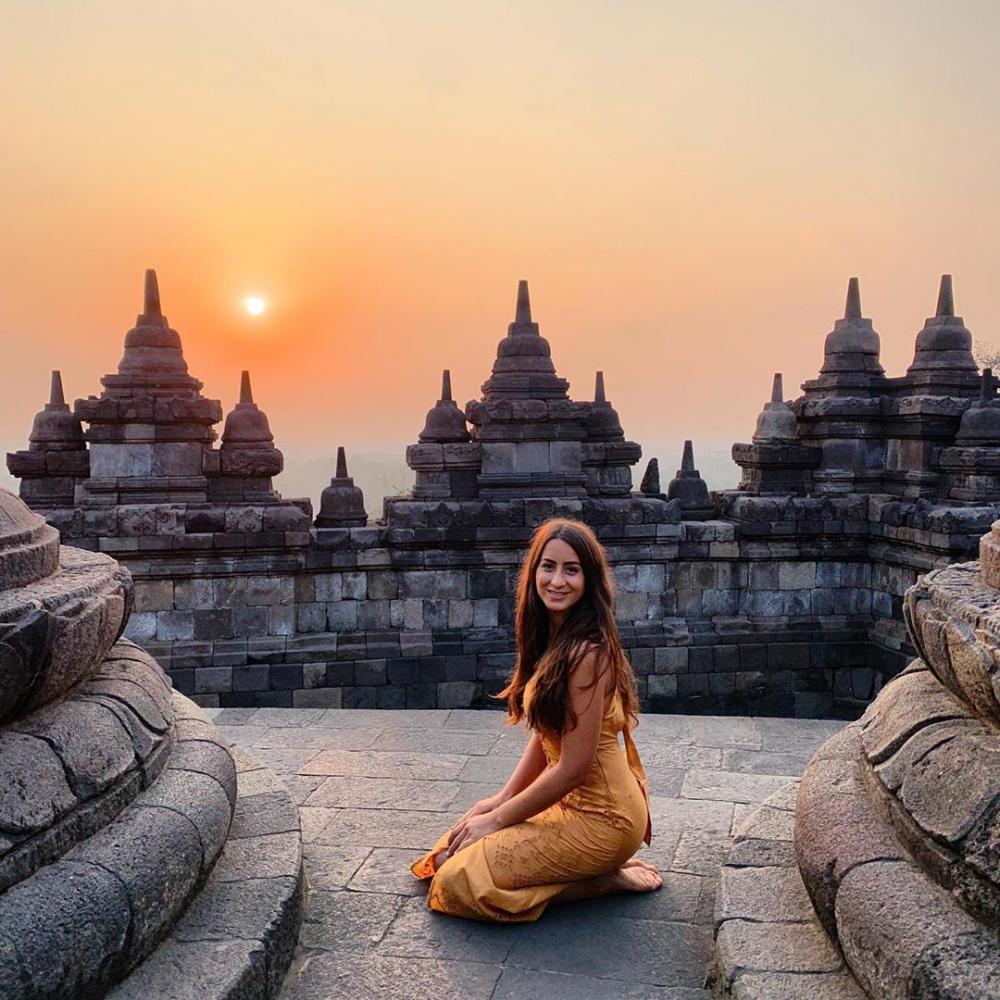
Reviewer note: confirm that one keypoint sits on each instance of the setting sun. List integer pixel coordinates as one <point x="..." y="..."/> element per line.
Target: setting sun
<point x="254" y="305"/>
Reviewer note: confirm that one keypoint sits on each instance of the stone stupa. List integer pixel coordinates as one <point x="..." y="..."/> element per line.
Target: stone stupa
<point x="128" y="831"/>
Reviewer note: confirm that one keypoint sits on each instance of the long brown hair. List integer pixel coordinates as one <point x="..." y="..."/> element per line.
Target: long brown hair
<point x="590" y="624"/>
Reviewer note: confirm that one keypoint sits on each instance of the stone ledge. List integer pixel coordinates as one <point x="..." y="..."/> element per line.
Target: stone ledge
<point x="75" y="926"/>
<point x="903" y="935"/>
<point x="69" y="768"/>
<point x="769" y="944"/>
<point x="237" y="938"/>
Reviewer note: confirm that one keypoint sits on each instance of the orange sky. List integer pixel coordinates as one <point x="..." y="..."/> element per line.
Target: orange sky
<point x="687" y="186"/>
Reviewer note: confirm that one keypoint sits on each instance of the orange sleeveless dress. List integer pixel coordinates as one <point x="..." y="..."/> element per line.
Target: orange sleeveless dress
<point x="511" y="876"/>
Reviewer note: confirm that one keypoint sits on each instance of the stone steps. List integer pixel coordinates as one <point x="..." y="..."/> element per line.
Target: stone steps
<point x="769" y="945"/>
<point x="236" y="940"/>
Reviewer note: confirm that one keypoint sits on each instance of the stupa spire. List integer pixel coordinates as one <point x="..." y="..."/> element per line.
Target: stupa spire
<point x="777" y="390"/>
<point x="446" y="386"/>
<point x="523" y="312"/>
<point x="599" y="396"/>
<point x="690" y="489"/>
<point x="946" y="297"/>
<point x="851" y="348"/>
<point x="342" y="504"/>
<point x="246" y="393"/>
<point x="687" y="458"/>
<point x="988" y="386"/>
<point x="151" y="295"/>
<point x="56" y="397"/>
<point x="852" y="310"/>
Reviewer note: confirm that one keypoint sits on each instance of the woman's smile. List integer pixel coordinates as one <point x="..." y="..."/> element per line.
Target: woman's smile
<point x="559" y="578"/>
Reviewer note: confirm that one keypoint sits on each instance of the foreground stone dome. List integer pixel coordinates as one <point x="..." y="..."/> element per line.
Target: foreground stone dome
<point x="893" y="889"/>
<point x="117" y="798"/>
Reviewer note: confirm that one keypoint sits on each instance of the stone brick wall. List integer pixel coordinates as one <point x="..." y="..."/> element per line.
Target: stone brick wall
<point x="786" y="606"/>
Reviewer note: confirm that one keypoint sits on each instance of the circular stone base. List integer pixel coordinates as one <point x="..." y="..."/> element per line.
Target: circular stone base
<point x="237" y="938"/>
<point x="768" y="943"/>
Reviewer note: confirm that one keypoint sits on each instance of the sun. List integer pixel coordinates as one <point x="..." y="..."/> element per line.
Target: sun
<point x="254" y="305"/>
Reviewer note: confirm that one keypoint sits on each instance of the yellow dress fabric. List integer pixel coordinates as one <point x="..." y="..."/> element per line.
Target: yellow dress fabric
<point x="512" y="875"/>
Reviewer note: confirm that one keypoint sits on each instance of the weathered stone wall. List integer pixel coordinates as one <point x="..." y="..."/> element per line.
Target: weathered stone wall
<point x="785" y="606"/>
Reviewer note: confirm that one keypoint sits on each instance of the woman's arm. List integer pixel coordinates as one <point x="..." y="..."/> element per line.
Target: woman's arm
<point x="579" y="748"/>
<point x="529" y="767"/>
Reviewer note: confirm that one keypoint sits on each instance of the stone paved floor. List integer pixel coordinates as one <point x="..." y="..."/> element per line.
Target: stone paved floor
<point x="375" y="788"/>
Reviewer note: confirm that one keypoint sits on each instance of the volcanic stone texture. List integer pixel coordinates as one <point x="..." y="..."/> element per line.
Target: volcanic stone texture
<point x="76" y="925"/>
<point x="236" y="940"/>
<point x="69" y="768"/>
<point x="55" y="630"/>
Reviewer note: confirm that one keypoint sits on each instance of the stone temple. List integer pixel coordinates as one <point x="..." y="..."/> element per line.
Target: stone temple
<point x="784" y="596"/>
<point x="142" y="856"/>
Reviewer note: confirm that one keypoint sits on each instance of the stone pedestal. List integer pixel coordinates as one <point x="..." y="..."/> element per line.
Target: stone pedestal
<point x="896" y="818"/>
<point x="118" y="794"/>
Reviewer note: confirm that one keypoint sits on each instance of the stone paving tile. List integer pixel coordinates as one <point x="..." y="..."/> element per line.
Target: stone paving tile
<point x="731" y="786"/>
<point x="720" y="731"/>
<point x="418" y="932"/>
<point x="782" y="742"/>
<point x="286" y="716"/>
<point x="700" y="853"/>
<point x="230" y="716"/>
<point x="666" y="781"/>
<point x="678" y="901"/>
<point x="347" y="921"/>
<point x="381" y="764"/>
<point x="314" y="820"/>
<point x="489" y="769"/>
<point x="291" y="738"/>
<point x="372" y="977"/>
<point x="740" y="812"/>
<point x="470" y="792"/>
<point x="397" y="780"/>
<point x="300" y="787"/>
<point x="818" y="729"/>
<point x="434" y="741"/>
<point x="285" y="761"/>
<point x="640" y="951"/>
<point x="763" y="762"/>
<point x="476" y="721"/>
<point x="677" y="815"/>
<point x="415" y="830"/>
<point x="510" y="744"/>
<point x="401" y="718"/>
<point x="656" y="755"/>
<point x="665" y="728"/>
<point x="525" y="984"/>
<point x="241" y="735"/>
<point x="332" y="868"/>
<point x="387" y="869"/>
<point x="384" y="793"/>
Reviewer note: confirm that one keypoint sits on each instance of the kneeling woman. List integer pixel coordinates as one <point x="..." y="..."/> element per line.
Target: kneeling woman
<point x="574" y="812"/>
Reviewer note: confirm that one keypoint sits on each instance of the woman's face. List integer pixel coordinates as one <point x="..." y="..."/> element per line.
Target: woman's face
<point x="559" y="578"/>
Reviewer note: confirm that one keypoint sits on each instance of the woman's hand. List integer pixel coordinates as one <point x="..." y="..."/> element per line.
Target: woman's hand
<point x="482" y="806"/>
<point x="469" y="829"/>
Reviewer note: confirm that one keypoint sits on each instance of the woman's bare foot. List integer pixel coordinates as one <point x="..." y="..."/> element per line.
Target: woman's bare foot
<point x="638" y="862"/>
<point x="638" y="877"/>
<point x="628" y="878"/>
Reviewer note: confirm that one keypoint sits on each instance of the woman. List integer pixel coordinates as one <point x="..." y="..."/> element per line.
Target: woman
<point x="572" y="815"/>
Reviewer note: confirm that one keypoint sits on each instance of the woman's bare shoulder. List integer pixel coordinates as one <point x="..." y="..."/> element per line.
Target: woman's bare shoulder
<point x="588" y="665"/>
